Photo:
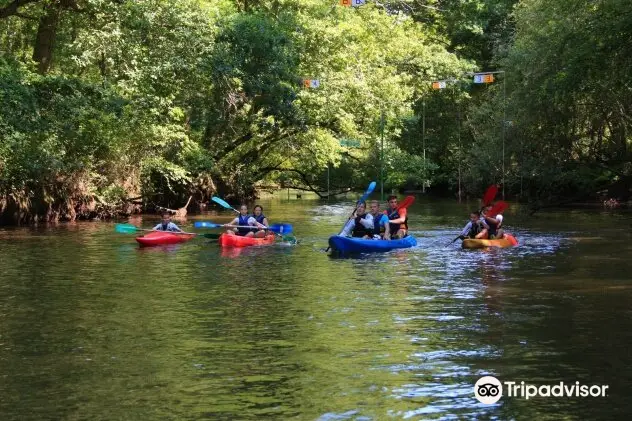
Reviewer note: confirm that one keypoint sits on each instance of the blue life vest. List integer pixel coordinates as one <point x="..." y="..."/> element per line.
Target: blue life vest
<point x="378" y="228"/>
<point x="243" y="220"/>
<point x="259" y="218"/>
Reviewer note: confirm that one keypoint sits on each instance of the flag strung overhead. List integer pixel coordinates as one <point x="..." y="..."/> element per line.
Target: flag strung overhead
<point x="352" y="3"/>
<point x="311" y="83"/>
<point x="484" y="78"/>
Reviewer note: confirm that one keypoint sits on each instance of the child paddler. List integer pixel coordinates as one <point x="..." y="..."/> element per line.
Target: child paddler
<point x="244" y="221"/>
<point x="166" y="224"/>
<point x="494" y="224"/>
<point x="260" y="219"/>
<point x="475" y="228"/>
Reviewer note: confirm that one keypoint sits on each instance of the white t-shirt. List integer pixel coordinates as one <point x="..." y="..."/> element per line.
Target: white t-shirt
<point x="366" y="221"/>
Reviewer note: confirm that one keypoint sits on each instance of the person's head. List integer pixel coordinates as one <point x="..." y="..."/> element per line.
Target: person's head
<point x="392" y="201"/>
<point x="375" y="207"/>
<point x="475" y="215"/>
<point x="166" y="217"/>
<point x="258" y="210"/>
<point x="486" y="209"/>
<point x="361" y="208"/>
<point x="243" y="210"/>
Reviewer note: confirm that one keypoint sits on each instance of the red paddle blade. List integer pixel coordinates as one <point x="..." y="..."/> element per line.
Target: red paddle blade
<point x="489" y="195"/>
<point x="499" y="207"/>
<point x="406" y="202"/>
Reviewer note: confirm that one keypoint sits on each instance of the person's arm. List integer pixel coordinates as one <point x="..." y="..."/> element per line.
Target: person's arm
<point x="173" y="227"/>
<point x="265" y="222"/>
<point x="233" y="222"/>
<point x="466" y="230"/>
<point x="401" y="219"/>
<point x="157" y="227"/>
<point x="489" y="220"/>
<point x="387" y="227"/>
<point x="367" y="221"/>
<point x="346" y="231"/>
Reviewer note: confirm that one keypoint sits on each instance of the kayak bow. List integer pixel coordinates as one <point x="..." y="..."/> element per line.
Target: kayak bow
<point x="157" y="238"/>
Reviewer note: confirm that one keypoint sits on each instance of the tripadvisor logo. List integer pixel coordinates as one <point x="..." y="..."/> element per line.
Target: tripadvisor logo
<point x="489" y="390"/>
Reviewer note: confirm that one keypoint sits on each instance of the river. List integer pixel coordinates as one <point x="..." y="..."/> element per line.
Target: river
<point x="92" y="327"/>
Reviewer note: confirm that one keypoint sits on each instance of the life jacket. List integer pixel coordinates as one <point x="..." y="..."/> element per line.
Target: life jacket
<point x="259" y="219"/>
<point x="493" y="228"/>
<point x="396" y="227"/>
<point x="360" y="230"/>
<point x="164" y="227"/>
<point x="477" y="227"/>
<point x="377" y="227"/>
<point x="243" y="220"/>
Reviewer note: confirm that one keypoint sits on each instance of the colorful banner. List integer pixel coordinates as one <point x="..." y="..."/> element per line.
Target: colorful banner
<point x="484" y="78"/>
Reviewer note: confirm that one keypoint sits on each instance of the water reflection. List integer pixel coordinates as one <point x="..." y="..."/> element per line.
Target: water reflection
<point x="91" y="324"/>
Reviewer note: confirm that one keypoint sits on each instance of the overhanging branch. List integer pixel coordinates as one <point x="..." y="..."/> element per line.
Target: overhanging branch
<point x="11" y="9"/>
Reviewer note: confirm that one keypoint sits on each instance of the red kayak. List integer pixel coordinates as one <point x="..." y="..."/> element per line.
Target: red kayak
<point x="226" y="240"/>
<point x="158" y="238"/>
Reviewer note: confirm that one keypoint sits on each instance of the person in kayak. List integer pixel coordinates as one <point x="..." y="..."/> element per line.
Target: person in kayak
<point x="398" y="220"/>
<point x="261" y="220"/>
<point x="166" y="224"/>
<point x="381" y="229"/>
<point x="243" y="220"/>
<point x="360" y="224"/>
<point x="494" y="224"/>
<point x="475" y="228"/>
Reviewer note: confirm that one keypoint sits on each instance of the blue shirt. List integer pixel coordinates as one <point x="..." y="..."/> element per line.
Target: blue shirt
<point x="170" y="227"/>
<point x="383" y="219"/>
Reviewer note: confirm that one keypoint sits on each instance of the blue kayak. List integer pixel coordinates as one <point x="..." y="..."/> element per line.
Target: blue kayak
<point x="342" y="244"/>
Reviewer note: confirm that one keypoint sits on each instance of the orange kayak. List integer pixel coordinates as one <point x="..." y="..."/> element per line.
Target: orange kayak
<point x="226" y="240"/>
<point x="163" y="237"/>
<point x="508" y="240"/>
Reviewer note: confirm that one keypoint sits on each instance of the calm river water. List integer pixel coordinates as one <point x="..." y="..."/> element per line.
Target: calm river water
<point x="92" y="327"/>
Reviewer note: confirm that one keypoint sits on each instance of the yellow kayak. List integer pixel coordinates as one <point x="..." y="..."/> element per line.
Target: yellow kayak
<point x="508" y="240"/>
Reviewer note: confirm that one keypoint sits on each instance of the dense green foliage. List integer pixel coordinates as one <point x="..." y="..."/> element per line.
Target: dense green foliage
<point x="108" y="105"/>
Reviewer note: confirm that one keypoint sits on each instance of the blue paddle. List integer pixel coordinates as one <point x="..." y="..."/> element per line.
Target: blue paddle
<point x="363" y="198"/>
<point x="223" y="203"/>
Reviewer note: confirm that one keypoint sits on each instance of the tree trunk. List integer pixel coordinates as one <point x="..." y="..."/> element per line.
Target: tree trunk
<point x="45" y="39"/>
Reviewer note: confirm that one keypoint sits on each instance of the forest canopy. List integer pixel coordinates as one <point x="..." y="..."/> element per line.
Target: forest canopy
<point x="112" y="106"/>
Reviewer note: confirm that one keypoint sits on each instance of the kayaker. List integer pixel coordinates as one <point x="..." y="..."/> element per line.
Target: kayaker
<point x="398" y="220"/>
<point x="475" y="228"/>
<point x="243" y="220"/>
<point x="166" y="224"/>
<point x="360" y="224"/>
<point x="261" y="220"/>
<point x="494" y="224"/>
<point x="381" y="229"/>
